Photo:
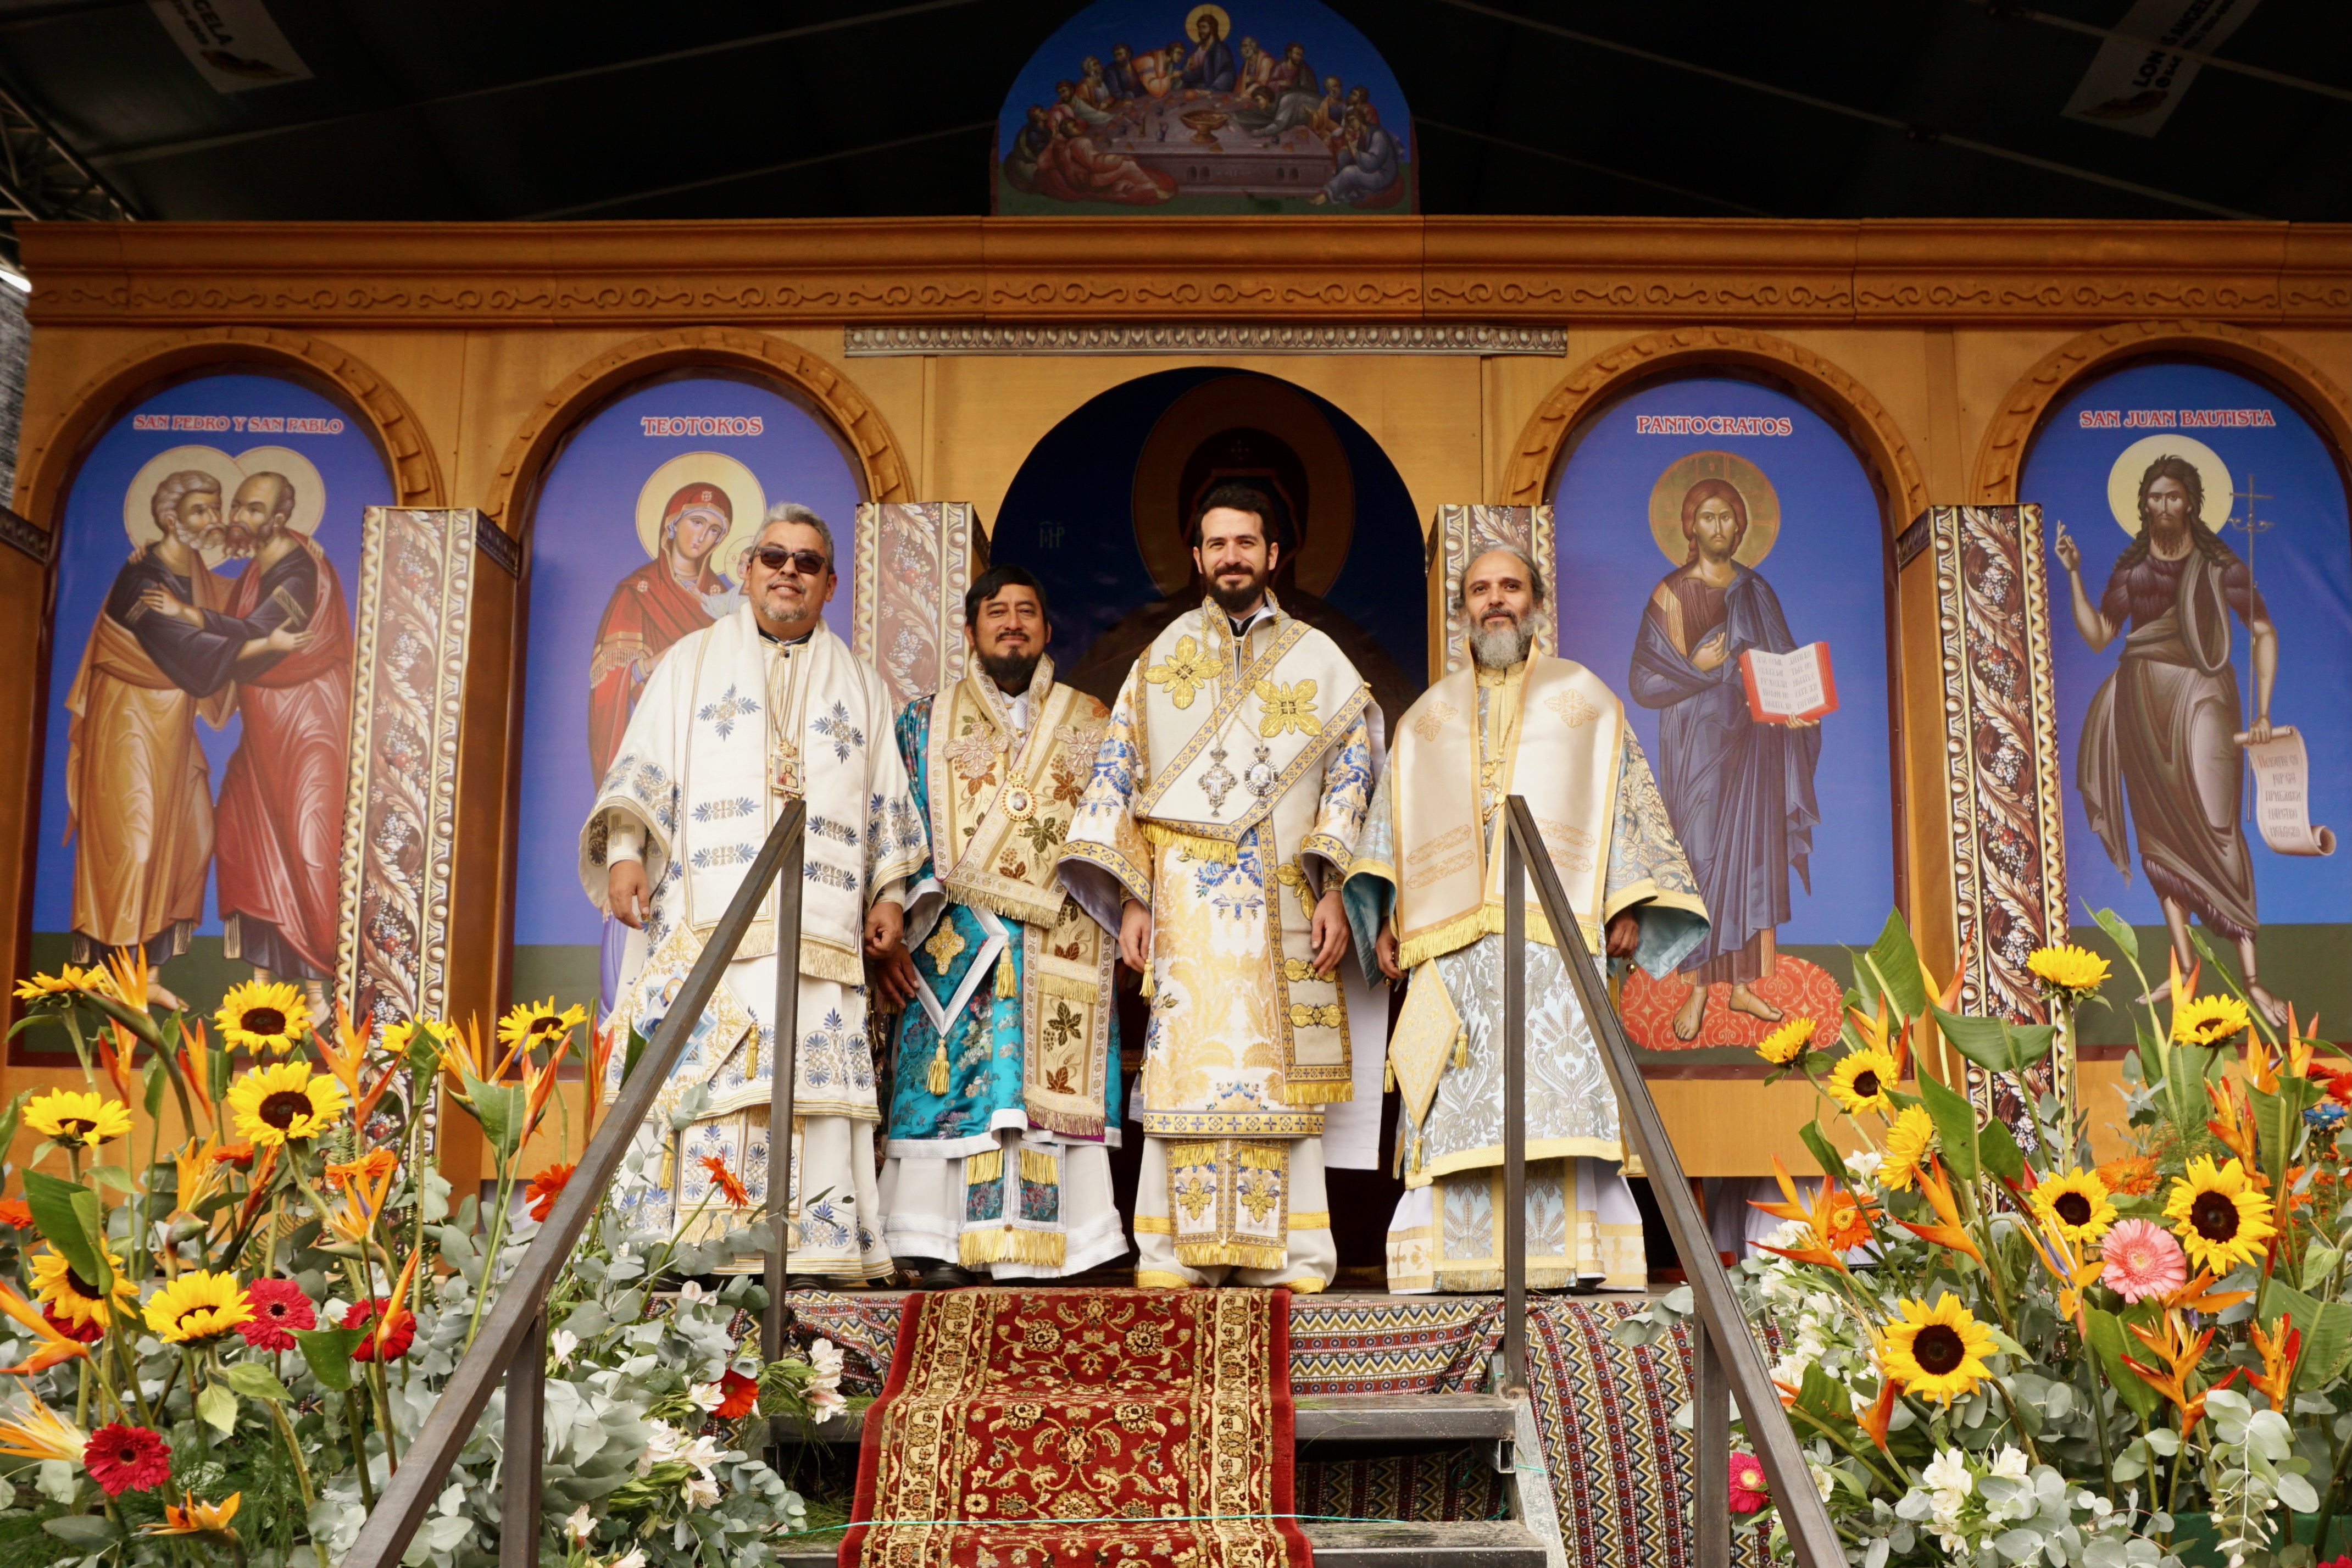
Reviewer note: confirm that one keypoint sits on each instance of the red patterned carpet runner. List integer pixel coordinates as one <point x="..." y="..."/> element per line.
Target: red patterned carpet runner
<point x="1081" y="1429"/>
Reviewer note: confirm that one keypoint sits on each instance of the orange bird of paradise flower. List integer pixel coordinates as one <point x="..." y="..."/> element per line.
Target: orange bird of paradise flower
<point x="1835" y="1219"/>
<point x="50" y="1347"/>
<point x="2180" y="1355"/>
<point x="1948" y="1233"/>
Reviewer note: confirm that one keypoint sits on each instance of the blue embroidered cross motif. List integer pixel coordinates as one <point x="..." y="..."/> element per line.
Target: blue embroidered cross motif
<point x="727" y="710"/>
<point x="720" y="855"/>
<point x="835" y="727"/>
<point x="720" y="810"/>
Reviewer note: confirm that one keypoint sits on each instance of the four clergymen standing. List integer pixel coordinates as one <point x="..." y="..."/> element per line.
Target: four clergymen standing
<point x="1223" y="830"/>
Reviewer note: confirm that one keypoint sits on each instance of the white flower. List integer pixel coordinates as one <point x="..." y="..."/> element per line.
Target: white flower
<point x="825" y="1404"/>
<point x="707" y="1395"/>
<point x="1948" y="1473"/>
<point x="661" y="1447"/>
<point x="636" y="1559"/>
<point x="701" y="1491"/>
<point x="561" y="1344"/>
<point x="579" y="1527"/>
<point x="702" y="1453"/>
<point x="825" y="1356"/>
<point x="693" y="1295"/>
<point x="1862" y="1164"/>
<point x="2008" y="1464"/>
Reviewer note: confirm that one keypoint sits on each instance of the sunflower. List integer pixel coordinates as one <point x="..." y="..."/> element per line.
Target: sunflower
<point x="198" y="1304"/>
<point x="1907" y="1142"/>
<point x="1787" y="1043"/>
<point x="65" y="982"/>
<point x="2069" y="972"/>
<point x="2208" y="1021"/>
<point x="77" y="1118"/>
<point x="283" y="1102"/>
<point x="261" y="1015"/>
<point x="538" y="1023"/>
<point x="1860" y="1082"/>
<point x="76" y="1300"/>
<point x="2218" y="1215"/>
<point x="2075" y="1206"/>
<point x="1937" y="1353"/>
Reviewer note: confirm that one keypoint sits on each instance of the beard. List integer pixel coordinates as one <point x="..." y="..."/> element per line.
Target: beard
<point x="1235" y="600"/>
<point x="1499" y="647"/>
<point x="1011" y="671"/>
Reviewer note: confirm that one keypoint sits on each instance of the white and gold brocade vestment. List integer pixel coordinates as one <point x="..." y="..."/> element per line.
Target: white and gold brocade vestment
<point x="1431" y="861"/>
<point x="1226" y="797"/>
<point x="732" y="728"/>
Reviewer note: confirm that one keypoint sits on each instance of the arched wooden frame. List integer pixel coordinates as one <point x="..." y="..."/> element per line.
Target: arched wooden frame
<point x="46" y="466"/>
<point x="1887" y="456"/>
<point x="1544" y="446"/>
<point x="2000" y="460"/>
<point x="874" y="452"/>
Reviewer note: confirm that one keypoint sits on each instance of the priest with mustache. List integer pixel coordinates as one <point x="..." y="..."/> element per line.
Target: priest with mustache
<point x="1004" y="1103"/>
<point x="1426" y="901"/>
<point x="1220" y="823"/>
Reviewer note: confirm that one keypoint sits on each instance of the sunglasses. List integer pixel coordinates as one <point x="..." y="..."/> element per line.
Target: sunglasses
<point x="775" y="558"/>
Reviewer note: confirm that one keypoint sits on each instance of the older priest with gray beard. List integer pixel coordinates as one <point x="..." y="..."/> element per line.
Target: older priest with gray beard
<point x="1424" y="898"/>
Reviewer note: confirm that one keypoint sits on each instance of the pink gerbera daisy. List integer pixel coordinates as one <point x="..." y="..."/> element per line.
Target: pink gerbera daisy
<point x="2142" y="1261"/>
<point x="1748" y="1491"/>
<point x="279" y="1311"/>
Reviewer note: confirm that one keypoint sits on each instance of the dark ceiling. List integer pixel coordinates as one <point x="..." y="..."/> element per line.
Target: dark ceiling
<point x="433" y="110"/>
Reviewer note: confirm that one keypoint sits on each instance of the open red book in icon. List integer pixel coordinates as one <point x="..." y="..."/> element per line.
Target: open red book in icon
<point x="1784" y="686"/>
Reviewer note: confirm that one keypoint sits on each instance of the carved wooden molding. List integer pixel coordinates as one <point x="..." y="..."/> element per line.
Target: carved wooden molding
<point x="1080" y="271"/>
<point x="1526" y="479"/>
<point x="2000" y="460"/>
<point x="46" y="462"/>
<point x="857" y="423"/>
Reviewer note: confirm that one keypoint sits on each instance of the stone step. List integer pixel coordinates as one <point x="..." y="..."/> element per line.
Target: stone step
<point x="1354" y="1543"/>
<point x="1353" y="1419"/>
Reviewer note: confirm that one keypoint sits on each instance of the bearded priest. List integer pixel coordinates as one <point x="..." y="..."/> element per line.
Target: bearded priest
<point x="1005" y="1102"/>
<point x="1425" y="900"/>
<point x="1213" y="838"/>
<point x="738" y="719"/>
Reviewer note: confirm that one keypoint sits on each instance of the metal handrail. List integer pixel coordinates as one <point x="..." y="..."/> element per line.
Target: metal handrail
<point x="1724" y="1352"/>
<point x="512" y="1343"/>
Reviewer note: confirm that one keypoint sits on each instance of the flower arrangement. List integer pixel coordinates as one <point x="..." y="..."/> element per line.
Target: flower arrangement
<point x="1996" y="1352"/>
<point x="222" y="1346"/>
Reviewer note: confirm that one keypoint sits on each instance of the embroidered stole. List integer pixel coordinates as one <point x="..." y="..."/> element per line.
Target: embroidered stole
<point x="999" y="819"/>
<point x="1563" y="759"/>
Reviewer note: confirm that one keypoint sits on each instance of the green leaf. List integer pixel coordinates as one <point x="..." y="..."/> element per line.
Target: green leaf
<point x="2107" y="1338"/>
<point x="1999" y="1152"/>
<point x="1897" y="963"/>
<point x="89" y="1530"/>
<point x="2278" y="1125"/>
<point x="1824" y="1153"/>
<point x="256" y="1382"/>
<point x="1824" y="1396"/>
<point x="10" y="1118"/>
<point x="113" y="1176"/>
<point x="2123" y="936"/>
<point x="424" y="1051"/>
<point x="502" y="1108"/>
<point x="57" y="1215"/>
<point x="216" y="1407"/>
<point x="1956" y="1125"/>
<point x="1995" y="1044"/>
<point x="2327" y="1332"/>
<point x="328" y="1353"/>
<point x="155" y="1079"/>
<point x="637" y="1043"/>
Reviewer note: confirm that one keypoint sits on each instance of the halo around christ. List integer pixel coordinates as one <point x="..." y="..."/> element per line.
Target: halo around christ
<point x="1667" y="504"/>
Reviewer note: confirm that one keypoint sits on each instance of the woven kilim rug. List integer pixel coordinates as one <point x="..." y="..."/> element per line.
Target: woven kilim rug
<point x="1433" y="1487"/>
<point x="1081" y="1429"/>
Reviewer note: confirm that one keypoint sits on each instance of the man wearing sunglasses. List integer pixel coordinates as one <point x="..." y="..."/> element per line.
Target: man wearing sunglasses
<point x="1003" y="1105"/>
<point x="765" y="707"/>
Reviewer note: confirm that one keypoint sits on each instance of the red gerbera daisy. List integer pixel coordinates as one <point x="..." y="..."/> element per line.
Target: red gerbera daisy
<point x="17" y="1213"/>
<point x="397" y="1337"/>
<point x="742" y="1394"/>
<point x="87" y="1332"/>
<point x="126" y="1460"/>
<point x="281" y="1311"/>
<point x="544" y="1188"/>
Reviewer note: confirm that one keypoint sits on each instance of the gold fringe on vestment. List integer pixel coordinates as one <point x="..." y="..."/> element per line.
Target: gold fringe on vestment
<point x="1008" y="984"/>
<point x="938" y="1081"/>
<point x="984" y="1167"/>
<point x="1037" y="1165"/>
<point x="1240" y="1255"/>
<point x="1318" y="1091"/>
<point x="1193" y="844"/>
<point x="1004" y="1244"/>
